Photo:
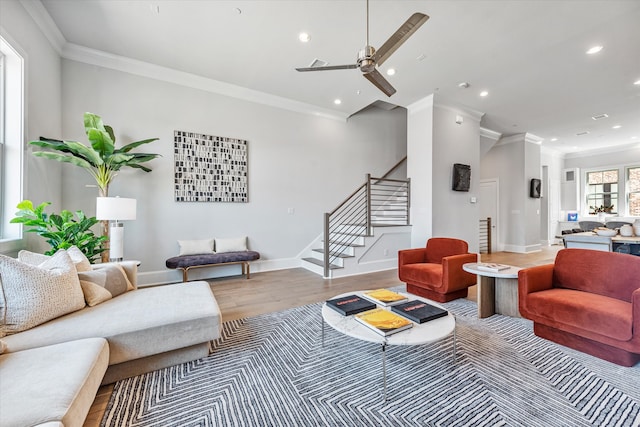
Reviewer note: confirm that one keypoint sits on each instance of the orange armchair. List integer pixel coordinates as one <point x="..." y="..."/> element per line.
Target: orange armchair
<point x="435" y="272"/>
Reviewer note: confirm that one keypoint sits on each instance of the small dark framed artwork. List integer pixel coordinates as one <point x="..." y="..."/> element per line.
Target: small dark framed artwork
<point x="461" y="177"/>
<point x="535" y="188"/>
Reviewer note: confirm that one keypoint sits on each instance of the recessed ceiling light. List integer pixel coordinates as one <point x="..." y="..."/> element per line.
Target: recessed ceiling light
<point x="358" y="92"/>
<point x="337" y="101"/>
<point x="463" y="85"/>
<point x="594" y="49"/>
<point x="600" y="116"/>
<point x="637" y="83"/>
<point x="616" y="127"/>
<point x="634" y="137"/>
<point x="304" y="37"/>
<point x="391" y="71"/>
<point x="554" y="139"/>
<point x="484" y="93"/>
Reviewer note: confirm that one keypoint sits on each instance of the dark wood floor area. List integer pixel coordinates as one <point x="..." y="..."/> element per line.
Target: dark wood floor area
<point x="278" y="290"/>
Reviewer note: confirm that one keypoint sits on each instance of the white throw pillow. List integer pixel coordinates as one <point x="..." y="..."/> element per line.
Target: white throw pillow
<point x="231" y="245"/>
<point x="196" y="247"/>
<point x="79" y="259"/>
<point x="36" y="294"/>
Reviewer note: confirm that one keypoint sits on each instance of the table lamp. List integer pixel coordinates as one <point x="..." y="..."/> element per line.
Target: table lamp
<point x="116" y="209"/>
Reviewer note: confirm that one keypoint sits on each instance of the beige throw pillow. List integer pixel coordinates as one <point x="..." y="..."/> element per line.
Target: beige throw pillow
<point x="195" y="247"/>
<point x="32" y="295"/>
<point x="79" y="259"/>
<point x="104" y="283"/>
<point x="231" y="245"/>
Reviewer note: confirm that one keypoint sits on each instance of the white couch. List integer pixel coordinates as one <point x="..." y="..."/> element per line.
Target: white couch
<point x="51" y="373"/>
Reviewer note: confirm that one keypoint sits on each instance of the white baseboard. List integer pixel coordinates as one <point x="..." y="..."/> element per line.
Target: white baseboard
<point x="163" y="277"/>
<point x="521" y="249"/>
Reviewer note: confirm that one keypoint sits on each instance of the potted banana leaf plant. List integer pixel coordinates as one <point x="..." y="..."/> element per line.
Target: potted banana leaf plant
<point x="101" y="158"/>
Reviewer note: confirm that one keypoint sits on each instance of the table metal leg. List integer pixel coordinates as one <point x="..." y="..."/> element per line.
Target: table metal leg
<point x="454" y="343"/>
<point x="384" y="369"/>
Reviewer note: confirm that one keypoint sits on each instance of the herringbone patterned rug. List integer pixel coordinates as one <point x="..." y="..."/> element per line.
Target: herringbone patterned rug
<point x="272" y="370"/>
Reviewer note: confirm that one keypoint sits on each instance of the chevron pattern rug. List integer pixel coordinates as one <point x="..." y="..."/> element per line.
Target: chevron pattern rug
<point x="272" y="370"/>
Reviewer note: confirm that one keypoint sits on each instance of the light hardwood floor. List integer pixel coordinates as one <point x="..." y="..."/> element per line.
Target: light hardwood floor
<point x="278" y="290"/>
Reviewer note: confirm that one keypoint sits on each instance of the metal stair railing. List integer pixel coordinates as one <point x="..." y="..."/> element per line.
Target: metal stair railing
<point x="385" y="200"/>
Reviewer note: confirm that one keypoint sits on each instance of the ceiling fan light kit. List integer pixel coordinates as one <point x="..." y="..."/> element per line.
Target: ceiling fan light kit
<point x="369" y="59"/>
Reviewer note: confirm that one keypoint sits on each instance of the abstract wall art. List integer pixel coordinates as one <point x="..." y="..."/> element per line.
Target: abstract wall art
<point x="210" y="168"/>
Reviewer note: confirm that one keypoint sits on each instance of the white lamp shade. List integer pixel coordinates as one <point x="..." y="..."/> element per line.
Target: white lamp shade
<point x="115" y="208"/>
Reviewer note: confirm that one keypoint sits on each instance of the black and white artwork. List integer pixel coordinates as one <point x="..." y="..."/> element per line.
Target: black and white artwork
<point x="210" y="168"/>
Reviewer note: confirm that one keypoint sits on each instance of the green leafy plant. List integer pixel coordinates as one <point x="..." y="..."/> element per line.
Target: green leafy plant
<point x="101" y="159"/>
<point x="601" y="208"/>
<point x="61" y="231"/>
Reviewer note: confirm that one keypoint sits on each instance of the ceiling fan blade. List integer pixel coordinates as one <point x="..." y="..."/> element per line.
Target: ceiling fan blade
<point x="380" y="82"/>
<point x="400" y="36"/>
<point x="328" y="67"/>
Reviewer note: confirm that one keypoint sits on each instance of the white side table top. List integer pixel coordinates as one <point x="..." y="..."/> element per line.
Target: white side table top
<point x="510" y="273"/>
<point x="427" y="332"/>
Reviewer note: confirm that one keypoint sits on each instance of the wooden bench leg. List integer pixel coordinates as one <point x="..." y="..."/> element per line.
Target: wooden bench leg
<point x="185" y="274"/>
<point x="248" y="270"/>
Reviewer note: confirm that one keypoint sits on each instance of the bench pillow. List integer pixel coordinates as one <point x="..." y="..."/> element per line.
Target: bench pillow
<point x="195" y="247"/>
<point x="32" y="295"/>
<point x="231" y="245"/>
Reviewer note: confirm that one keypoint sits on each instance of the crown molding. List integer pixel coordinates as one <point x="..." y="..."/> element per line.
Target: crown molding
<point x="601" y="151"/>
<point x="44" y="21"/>
<point x="87" y="55"/>
<point x="458" y="109"/>
<point x="421" y="104"/>
<point x="490" y="134"/>
<point x="520" y="137"/>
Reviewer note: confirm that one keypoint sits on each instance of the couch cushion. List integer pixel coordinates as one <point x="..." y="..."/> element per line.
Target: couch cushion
<point x="417" y="274"/>
<point x="104" y="283"/>
<point x="36" y="294"/>
<point x="221" y="258"/>
<point x="602" y="315"/>
<point x="136" y="324"/>
<point x="51" y="384"/>
<point x="605" y="273"/>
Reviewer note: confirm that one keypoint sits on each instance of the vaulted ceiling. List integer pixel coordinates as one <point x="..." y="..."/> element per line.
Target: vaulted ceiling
<point x="530" y="56"/>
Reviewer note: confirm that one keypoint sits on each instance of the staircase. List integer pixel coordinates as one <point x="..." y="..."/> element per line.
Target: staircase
<point x="368" y="227"/>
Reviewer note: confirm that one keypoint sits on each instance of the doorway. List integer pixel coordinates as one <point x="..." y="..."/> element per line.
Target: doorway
<point x="489" y="202"/>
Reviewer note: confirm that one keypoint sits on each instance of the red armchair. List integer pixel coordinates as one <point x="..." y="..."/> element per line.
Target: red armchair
<point x="587" y="300"/>
<point x="435" y="272"/>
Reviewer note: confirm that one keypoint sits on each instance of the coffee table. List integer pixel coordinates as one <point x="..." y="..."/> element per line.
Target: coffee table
<point x="428" y="332"/>
<point x="497" y="291"/>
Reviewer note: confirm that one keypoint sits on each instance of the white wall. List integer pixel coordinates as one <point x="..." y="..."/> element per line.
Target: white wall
<point x="42" y="107"/>
<point x="454" y="214"/>
<point x="296" y="161"/>
<point x="434" y="143"/>
<point x="514" y="161"/>
<point x="419" y="169"/>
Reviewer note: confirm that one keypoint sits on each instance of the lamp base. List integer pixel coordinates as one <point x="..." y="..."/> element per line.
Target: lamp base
<point x="116" y="242"/>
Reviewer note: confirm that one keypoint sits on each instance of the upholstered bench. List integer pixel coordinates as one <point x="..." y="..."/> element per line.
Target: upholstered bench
<point x="187" y="262"/>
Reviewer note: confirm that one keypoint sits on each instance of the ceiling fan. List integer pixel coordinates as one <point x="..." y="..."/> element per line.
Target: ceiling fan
<point x="369" y="58"/>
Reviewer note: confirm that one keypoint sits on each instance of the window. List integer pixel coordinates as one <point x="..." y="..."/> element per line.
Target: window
<point x="11" y="139"/>
<point x="633" y="191"/>
<point x="602" y="191"/>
